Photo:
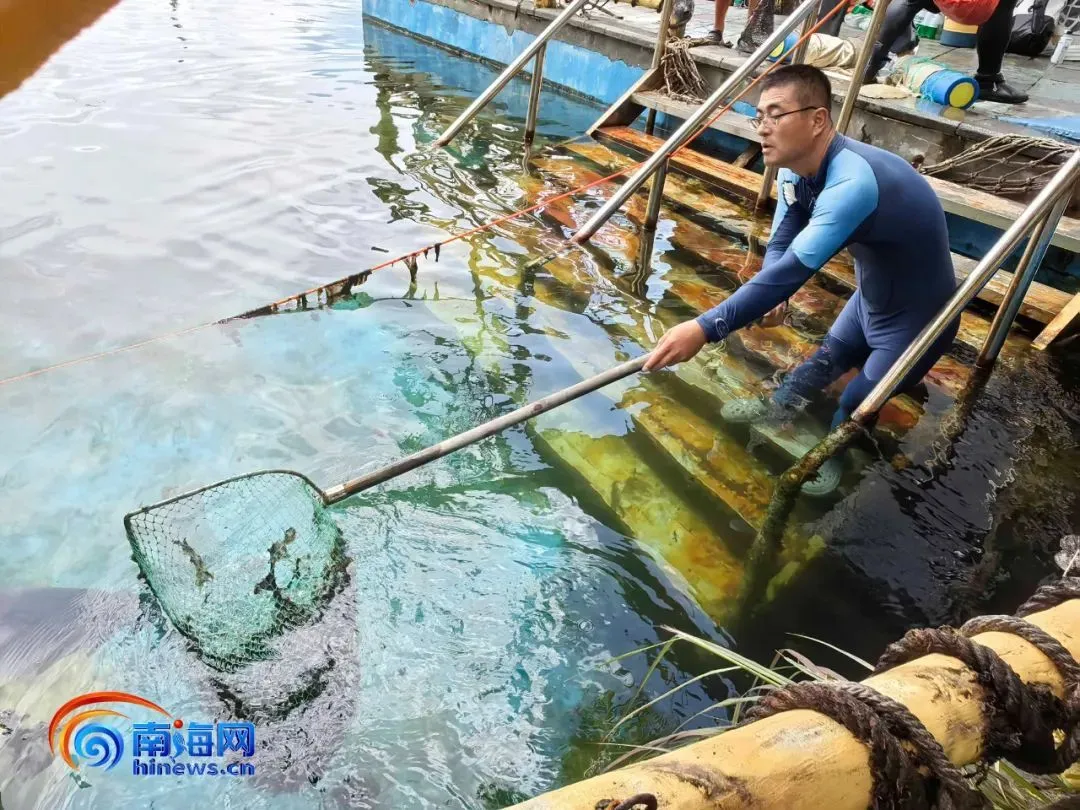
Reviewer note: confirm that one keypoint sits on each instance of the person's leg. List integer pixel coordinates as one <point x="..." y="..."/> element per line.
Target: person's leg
<point x="719" y="18"/>
<point x="992" y="42"/>
<point x="832" y="27"/>
<point x="881" y="360"/>
<point x="844" y="348"/>
<point x="898" y="19"/>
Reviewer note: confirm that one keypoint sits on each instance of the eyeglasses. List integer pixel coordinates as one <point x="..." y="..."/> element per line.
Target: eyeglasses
<point x="771" y="119"/>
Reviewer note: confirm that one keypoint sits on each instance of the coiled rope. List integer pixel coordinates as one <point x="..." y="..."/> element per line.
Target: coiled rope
<point x="910" y="768"/>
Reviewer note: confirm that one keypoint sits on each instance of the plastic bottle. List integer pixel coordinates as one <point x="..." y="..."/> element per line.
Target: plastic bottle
<point x="1062" y="48"/>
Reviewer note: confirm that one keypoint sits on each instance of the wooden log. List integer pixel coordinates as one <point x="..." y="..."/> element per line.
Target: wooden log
<point x="1042" y="303"/>
<point x="801" y="760"/>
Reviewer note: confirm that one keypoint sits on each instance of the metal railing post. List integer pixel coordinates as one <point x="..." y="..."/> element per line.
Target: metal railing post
<point x="1061" y="183"/>
<point x="691" y="125"/>
<point x="1029" y="264"/>
<point x="534" y="95"/>
<point x="510" y="72"/>
<point x="767" y="181"/>
<point x="800" y="50"/>
<point x="656" y="196"/>
<point x="876" y="21"/>
<point x="658" y="54"/>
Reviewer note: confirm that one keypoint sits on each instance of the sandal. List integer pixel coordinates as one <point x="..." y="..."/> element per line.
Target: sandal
<point x="740" y="411"/>
<point x="826" y="481"/>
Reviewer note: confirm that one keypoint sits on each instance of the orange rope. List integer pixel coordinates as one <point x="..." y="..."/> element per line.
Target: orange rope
<point x="455" y="238"/>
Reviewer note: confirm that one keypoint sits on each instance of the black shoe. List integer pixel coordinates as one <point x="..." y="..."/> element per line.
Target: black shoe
<point x="716" y="38"/>
<point x="994" y="88"/>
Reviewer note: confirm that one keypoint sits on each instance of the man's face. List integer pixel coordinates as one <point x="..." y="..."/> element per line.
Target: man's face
<point x="788" y="126"/>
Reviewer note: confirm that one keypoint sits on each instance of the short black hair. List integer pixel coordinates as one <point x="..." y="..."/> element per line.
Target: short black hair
<point x="810" y="83"/>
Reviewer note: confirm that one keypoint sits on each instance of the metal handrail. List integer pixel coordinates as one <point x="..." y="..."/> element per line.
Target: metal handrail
<point x="1042" y="209"/>
<point x="691" y="125"/>
<point x="511" y="71"/>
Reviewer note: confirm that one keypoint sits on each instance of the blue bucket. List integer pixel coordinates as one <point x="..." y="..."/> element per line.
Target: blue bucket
<point x="951" y="88"/>
<point x="784" y="47"/>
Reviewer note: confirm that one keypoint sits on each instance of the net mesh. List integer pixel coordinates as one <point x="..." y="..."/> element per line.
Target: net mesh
<point x="234" y="565"/>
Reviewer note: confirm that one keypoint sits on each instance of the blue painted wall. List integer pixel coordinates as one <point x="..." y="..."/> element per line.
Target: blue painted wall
<point x="579" y="69"/>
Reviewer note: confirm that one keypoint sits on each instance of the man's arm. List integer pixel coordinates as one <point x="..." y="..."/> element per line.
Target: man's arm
<point x="800" y="245"/>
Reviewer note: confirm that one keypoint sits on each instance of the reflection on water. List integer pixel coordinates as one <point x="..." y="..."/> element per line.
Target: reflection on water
<point x="177" y="163"/>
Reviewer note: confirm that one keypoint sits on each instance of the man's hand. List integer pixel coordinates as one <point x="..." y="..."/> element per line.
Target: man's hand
<point x="677" y="345"/>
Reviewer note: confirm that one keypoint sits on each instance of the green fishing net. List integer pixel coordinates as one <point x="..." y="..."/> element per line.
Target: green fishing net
<point x="235" y="564"/>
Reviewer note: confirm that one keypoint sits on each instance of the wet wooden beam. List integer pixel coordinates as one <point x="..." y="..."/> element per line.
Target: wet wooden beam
<point x="1042" y="303"/>
<point x="1065" y="323"/>
<point x="731" y="122"/>
<point x="715" y="172"/>
<point x="652" y="512"/>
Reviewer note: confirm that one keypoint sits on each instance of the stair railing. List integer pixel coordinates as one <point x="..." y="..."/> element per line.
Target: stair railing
<point x="658" y="161"/>
<point x="537" y="48"/>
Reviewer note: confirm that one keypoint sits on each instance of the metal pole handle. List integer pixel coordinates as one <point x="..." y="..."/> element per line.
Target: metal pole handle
<point x="522" y="414"/>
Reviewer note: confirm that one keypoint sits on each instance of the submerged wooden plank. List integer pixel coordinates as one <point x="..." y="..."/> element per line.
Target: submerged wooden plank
<point x="741" y="182"/>
<point x="1065" y="322"/>
<point x="1042" y="303"/>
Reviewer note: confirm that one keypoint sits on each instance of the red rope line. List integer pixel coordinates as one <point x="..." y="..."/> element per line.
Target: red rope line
<point x="405" y="257"/>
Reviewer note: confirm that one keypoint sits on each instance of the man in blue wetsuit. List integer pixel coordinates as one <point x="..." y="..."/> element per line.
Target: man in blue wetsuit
<point x="834" y="193"/>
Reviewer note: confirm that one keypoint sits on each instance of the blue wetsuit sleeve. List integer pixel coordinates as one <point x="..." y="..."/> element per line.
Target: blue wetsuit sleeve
<point x="800" y="246"/>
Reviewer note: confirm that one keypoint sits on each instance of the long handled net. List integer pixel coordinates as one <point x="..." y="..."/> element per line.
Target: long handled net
<point x="235" y="564"/>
